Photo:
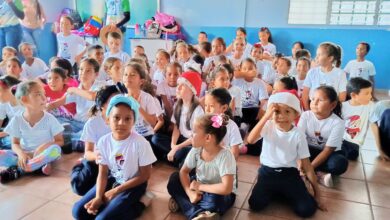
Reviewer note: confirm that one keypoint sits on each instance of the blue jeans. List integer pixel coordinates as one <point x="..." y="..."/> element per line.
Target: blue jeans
<point x="32" y="36"/>
<point x="335" y="164"/>
<point x="84" y="176"/>
<point x="384" y="132"/>
<point x="5" y="143"/>
<point x="209" y="202"/>
<point x="10" y="36"/>
<point x="125" y="205"/>
<point x="285" y="182"/>
<point x="162" y="145"/>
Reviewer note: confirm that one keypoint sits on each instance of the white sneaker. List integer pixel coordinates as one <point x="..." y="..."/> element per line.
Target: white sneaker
<point x="207" y="216"/>
<point x="325" y="179"/>
<point x="147" y="198"/>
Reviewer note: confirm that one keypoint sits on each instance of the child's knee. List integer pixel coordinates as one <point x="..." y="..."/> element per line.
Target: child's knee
<point x="256" y="203"/>
<point x="54" y="151"/>
<point x="79" y="211"/>
<point x="305" y="209"/>
<point x="338" y="165"/>
<point x="173" y="182"/>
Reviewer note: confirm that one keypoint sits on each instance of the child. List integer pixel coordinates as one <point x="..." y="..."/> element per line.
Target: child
<point x="283" y="146"/>
<point x="296" y="46"/>
<point x="7" y="52"/>
<point x="380" y="128"/>
<point x="327" y="73"/>
<point x="238" y="54"/>
<point x="167" y="89"/>
<point x="247" y="47"/>
<point x="36" y="136"/>
<point x="202" y="37"/>
<point x="182" y="53"/>
<point x="205" y="49"/>
<point x="138" y="51"/>
<point x="9" y="106"/>
<point x="114" y="69"/>
<point x="285" y="83"/>
<point x="217" y="102"/>
<point x="357" y="113"/>
<point x="266" y="42"/>
<point x="97" y="52"/>
<point x="68" y="43"/>
<point x="162" y="60"/>
<point x="218" y="47"/>
<point x="84" y="175"/>
<point x="253" y="95"/>
<point x="33" y="67"/>
<point x="128" y="157"/>
<point x="55" y="89"/>
<point x="14" y="68"/>
<point x="117" y="13"/>
<point x="67" y="67"/>
<point x="114" y="43"/>
<point x="134" y="79"/>
<point x="176" y="147"/>
<point x="324" y="129"/>
<point x="303" y="66"/>
<point x="283" y="67"/>
<point x="213" y="190"/>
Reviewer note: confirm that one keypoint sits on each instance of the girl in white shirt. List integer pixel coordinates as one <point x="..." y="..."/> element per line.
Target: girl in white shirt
<point x="213" y="190"/>
<point x="114" y="69"/>
<point x="283" y="146"/>
<point x="84" y="175"/>
<point x="33" y="67"/>
<point x="328" y="73"/>
<point x="324" y="131"/>
<point x="266" y="42"/>
<point x="158" y="72"/>
<point x="125" y="165"/>
<point x="36" y="136"/>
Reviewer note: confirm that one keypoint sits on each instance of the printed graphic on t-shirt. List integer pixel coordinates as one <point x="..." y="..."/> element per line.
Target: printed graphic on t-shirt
<point x="119" y="162"/>
<point x="353" y="125"/>
<point x="248" y="99"/>
<point x="64" y="51"/>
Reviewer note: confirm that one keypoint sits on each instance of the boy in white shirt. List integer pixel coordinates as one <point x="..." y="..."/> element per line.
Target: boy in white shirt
<point x="357" y="113"/>
<point x="114" y="43"/>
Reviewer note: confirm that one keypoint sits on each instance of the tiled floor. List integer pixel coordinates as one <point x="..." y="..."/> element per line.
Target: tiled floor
<point x="363" y="192"/>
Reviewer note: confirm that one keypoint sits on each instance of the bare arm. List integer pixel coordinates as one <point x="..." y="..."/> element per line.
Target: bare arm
<point x="57" y="103"/>
<point x="89" y="95"/>
<point x="375" y="131"/>
<point x="223" y="188"/>
<point x="254" y="135"/>
<point x="235" y="151"/>
<point x="343" y="96"/>
<point x="308" y="169"/>
<point x="150" y="118"/>
<point x="89" y="151"/>
<point x="322" y="157"/>
<point x="167" y="106"/>
<point x="305" y="98"/>
<point x="143" y="176"/>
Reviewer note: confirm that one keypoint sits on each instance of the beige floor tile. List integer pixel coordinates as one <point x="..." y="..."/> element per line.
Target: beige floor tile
<point x="158" y="209"/>
<point x="159" y="180"/>
<point x="247" y="172"/>
<point x="51" y="210"/>
<point x="354" y="171"/>
<point x="16" y="205"/>
<point x="249" y="159"/>
<point x="231" y="214"/>
<point x="378" y="173"/>
<point x="381" y="213"/>
<point x="247" y="215"/>
<point x="369" y="144"/>
<point x="175" y="216"/>
<point x="370" y="157"/>
<point x="343" y="210"/>
<point x="68" y="197"/>
<point x="243" y="191"/>
<point x="380" y="194"/>
<point x="347" y="189"/>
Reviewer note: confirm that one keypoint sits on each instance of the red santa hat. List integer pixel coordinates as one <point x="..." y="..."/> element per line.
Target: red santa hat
<point x="192" y="80"/>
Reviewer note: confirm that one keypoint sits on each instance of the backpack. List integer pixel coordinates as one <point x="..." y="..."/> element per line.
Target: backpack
<point x="77" y="21"/>
<point x="92" y="26"/>
<point x="164" y="20"/>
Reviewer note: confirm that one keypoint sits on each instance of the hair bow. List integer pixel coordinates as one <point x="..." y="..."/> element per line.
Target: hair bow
<point x="217" y="121"/>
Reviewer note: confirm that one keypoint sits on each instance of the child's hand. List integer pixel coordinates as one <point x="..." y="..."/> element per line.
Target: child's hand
<point x="78" y="58"/>
<point x="194" y="186"/>
<point x="110" y="194"/>
<point x="321" y="205"/>
<point x="23" y="159"/>
<point x="171" y="154"/>
<point x="270" y="111"/>
<point x="194" y="197"/>
<point x="93" y="206"/>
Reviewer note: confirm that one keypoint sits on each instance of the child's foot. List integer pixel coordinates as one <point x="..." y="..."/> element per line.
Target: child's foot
<point x="46" y="169"/>
<point x="147" y="198"/>
<point x="172" y="205"/>
<point x="325" y="179"/>
<point x="207" y="215"/>
<point x="243" y="149"/>
<point x="11" y="173"/>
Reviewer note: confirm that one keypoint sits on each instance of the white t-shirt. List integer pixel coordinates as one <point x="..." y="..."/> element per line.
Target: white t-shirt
<point x="335" y="78"/>
<point x="300" y="86"/>
<point x="94" y="129"/>
<point x="102" y="75"/>
<point x="251" y="92"/>
<point x="269" y="74"/>
<point x="124" y="157"/>
<point x="32" y="137"/>
<point x="363" y="69"/>
<point x="270" y="48"/>
<point x="7" y="110"/>
<point x="248" y="49"/>
<point x="147" y="103"/>
<point x="233" y="135"/>
<point x="320" y="133"/>
<point x="183" y="120"/>
<point x="357" y="119"/>
<point x="211" y="172"/>
<point x="170" y="92"/>
<point x="236" y="61"/>
<point x="82" y="105"/>
<point x="293" y="68"/>
<point x="282" y="149"/>
<point x="69" y="46"/>
<point x="235" y="93"/>
<point x="123" y="56"/>
<point x="158" y="77"/>
<point x="379" y="108"/>
<point x="37" y="68"/>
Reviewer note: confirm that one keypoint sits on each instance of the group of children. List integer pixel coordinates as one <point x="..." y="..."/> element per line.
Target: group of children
<point x="197" y="108"/>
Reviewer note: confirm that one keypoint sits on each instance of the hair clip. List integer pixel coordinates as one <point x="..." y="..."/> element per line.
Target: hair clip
<point x="217" y="121"/>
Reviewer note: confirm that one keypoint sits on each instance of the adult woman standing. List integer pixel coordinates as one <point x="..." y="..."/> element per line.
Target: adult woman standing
<point x="10" y="29"/>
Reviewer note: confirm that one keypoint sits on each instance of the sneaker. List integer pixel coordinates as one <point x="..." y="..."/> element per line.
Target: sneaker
<point x="172" y="205"/>
<point x="46" y="169"/>
<point x="147" y="198"/>
<point x="325" y="179"/>
<point x="67" y="148"/>
<point x="11" y="173"/>
<point x="243" y="149"/>
<point x="207" y="216"/>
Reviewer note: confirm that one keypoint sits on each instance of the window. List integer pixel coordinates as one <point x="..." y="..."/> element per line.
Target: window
<point x="340" y="12"/>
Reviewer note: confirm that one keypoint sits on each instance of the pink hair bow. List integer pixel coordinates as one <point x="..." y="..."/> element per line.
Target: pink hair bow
<point x="217" y="121"/>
